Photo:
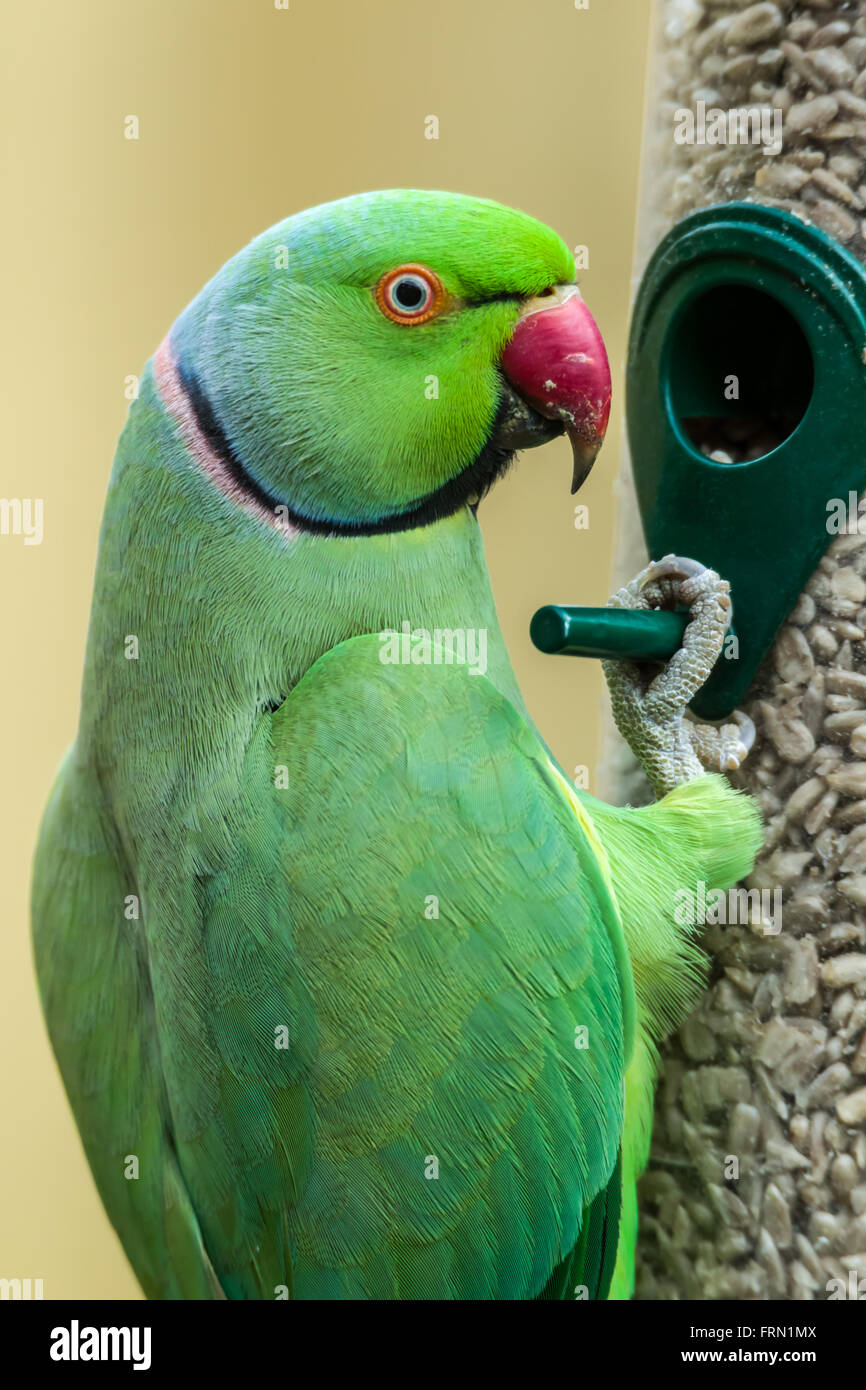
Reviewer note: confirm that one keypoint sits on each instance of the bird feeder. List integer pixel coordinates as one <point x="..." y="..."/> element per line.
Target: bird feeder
<point x="749" y="329"/>
<point x="746" y="415"/>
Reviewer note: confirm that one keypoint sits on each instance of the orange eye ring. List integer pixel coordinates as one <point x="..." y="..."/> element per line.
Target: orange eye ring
<point x="411" y="294"/>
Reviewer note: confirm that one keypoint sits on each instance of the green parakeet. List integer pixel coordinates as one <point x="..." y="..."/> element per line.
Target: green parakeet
<point x="353" y="995"/>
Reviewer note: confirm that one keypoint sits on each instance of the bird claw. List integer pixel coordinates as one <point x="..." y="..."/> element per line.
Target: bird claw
<point x="722" y="747"/>
<point x="650" y="710"/>
<point x="661" y="584"/>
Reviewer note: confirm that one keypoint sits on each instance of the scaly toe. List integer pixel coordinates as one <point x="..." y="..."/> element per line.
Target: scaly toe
<point x="676" y="567"/>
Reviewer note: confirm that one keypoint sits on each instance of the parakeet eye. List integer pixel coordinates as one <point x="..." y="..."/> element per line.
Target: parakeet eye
<point x="410" y="294"/>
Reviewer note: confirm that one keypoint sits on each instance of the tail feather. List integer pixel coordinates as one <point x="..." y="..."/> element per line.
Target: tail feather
<point x="702" y="832"/>
<point x="590" y="1266"/>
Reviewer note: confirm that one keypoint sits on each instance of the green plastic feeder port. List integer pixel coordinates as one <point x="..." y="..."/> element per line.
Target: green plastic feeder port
<point x="748" y="340"/>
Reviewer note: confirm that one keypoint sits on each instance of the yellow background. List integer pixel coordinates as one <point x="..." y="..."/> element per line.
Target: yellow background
<point x="248" y="113"/>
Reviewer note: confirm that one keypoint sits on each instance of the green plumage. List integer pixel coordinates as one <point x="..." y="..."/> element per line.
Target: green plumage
<point x="316" y="935"/>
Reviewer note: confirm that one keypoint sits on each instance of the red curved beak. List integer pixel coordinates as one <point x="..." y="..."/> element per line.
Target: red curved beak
<point x="556" y="360"/>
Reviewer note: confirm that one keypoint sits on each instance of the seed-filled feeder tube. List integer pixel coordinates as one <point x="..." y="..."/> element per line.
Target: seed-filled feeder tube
<point x="746" y="413"/>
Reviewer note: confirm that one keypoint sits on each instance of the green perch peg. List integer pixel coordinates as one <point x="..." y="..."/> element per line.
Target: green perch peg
<point x="619" y="633"/>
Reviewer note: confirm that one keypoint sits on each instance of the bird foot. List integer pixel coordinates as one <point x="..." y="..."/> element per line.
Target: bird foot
<point x="650" y="709"/>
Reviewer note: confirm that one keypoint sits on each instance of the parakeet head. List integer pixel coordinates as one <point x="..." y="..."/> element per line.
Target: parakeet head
<point x="372" y="364"/>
